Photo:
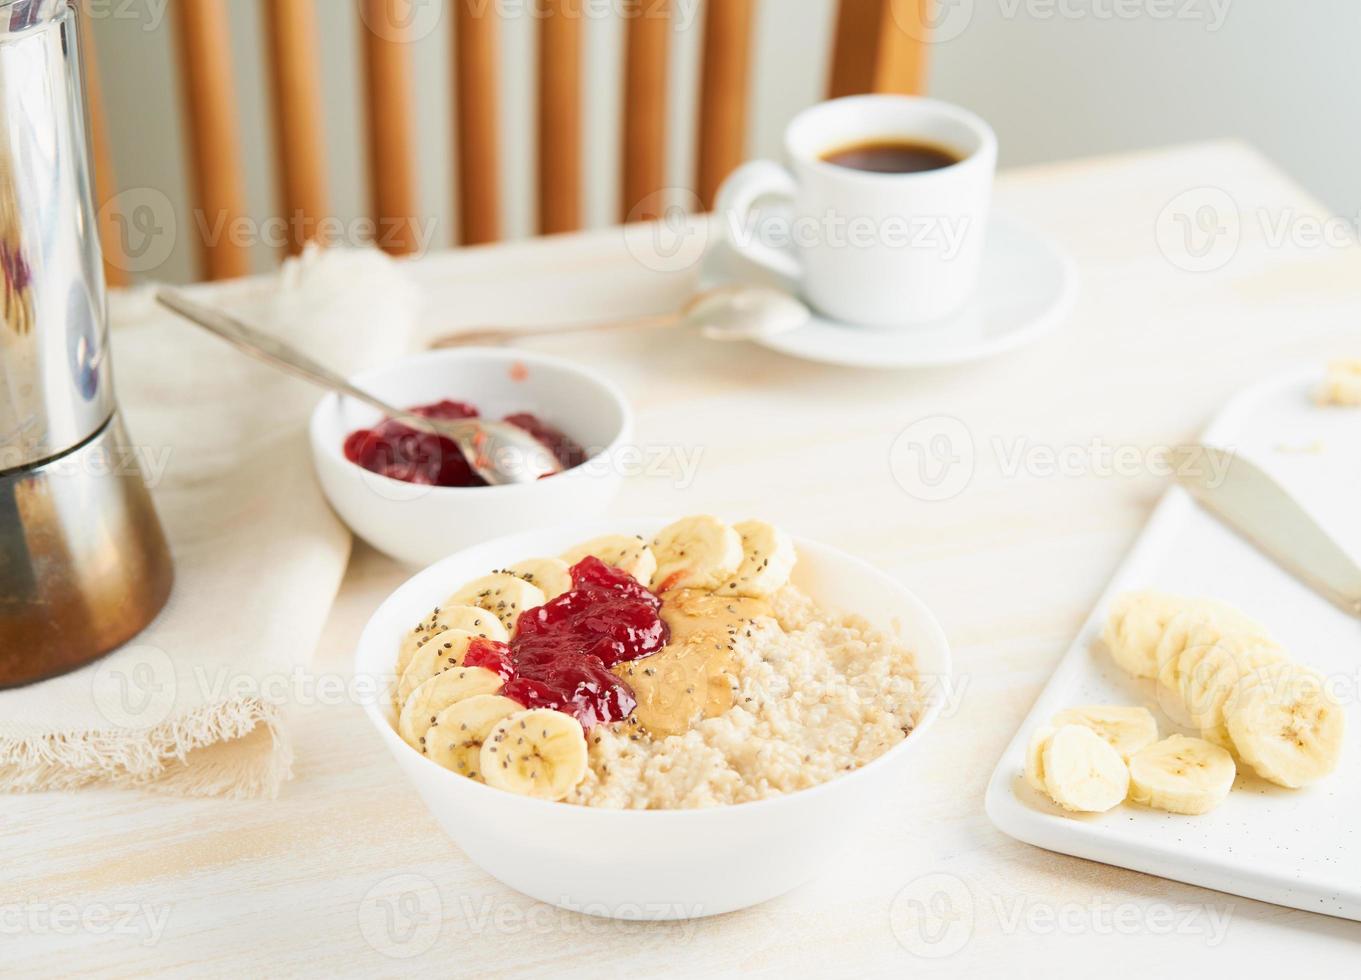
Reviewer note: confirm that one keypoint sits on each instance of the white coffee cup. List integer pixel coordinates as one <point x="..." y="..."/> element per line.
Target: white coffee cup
<point x="876" y="249"/>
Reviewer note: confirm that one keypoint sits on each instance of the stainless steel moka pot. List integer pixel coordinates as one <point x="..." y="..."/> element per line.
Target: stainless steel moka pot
<point x="83" y="561"/>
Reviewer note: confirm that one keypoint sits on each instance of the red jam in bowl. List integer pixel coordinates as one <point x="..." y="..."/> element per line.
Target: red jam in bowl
<point x="562" y="651"/>
<point x="398" y="451"/>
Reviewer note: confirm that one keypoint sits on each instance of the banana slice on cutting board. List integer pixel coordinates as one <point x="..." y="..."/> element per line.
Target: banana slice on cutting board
<point x="696" y="553"/>
<point x="1285" y="724"/>
<point x="444" y="651"/>
<point x="1127" y="729"/>
<point x="1034" y="758"/>
<point x="540" y="753"/>
<point x="551" y="576"/>
<point x="1135" y="628"/>
<point x="455" y="739"/>
<point x="502" y="594"/>
<point x="422" y="707"/>
<point x="768" y="559"/>
<point x="476" y="621"/>
<point x="1082" y="772"/>
<point x="1203" y="620"/>
<point x="1208" y="675"/>
<point x="621" y="551"/>
<point x="1181" y="775"/>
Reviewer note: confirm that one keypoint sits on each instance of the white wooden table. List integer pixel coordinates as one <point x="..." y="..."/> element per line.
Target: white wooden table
<point x="347" y="866"/>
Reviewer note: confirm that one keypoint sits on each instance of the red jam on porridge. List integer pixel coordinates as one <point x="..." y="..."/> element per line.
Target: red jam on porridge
<point x="683" y="671"/>
<point x="396" y="450"/>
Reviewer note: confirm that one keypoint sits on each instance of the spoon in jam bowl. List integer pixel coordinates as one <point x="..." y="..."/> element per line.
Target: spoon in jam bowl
<point x="732" y="312"/>
<point x="498" y="452"/>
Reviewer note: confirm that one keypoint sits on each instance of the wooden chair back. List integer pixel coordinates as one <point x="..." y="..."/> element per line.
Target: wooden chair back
<point x="878" y="47"/>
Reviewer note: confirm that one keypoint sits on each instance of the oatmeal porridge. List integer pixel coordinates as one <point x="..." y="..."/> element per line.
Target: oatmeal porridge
<point x="680" y="672"/>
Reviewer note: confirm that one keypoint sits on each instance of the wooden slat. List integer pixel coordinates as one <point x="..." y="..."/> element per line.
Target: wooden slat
<point x="388" y="110"/>
<point x="295" y="72"/>
<point x="105" y="187"/>
<point x="880" y="47"/>
<point x="559" y="116"/>
<point x="646" y="49"/>
<point x="723" y="93"/>
<point x="475" y="123"/>
<point x="214" y="143"/>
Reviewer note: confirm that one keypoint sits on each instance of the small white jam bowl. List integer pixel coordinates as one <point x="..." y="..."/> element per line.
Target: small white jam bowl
<point x="421" y="524"/>
<point x="657" y="864"/>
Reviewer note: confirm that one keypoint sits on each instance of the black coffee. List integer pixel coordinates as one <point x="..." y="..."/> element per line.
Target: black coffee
<point x="892" y="156"/>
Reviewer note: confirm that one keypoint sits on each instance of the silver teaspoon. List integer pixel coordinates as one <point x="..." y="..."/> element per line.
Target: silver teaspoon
<point x="498" y="452"/>
<point x="734" y="312"/>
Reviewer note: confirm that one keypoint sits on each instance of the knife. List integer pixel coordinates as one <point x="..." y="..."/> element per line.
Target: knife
<point x="1261" y="510"/>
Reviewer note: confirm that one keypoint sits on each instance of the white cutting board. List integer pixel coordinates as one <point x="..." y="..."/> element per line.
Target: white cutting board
<point x="1300" y="848"/>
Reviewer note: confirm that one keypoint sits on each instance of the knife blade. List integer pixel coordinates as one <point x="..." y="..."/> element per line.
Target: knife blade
<point x="1252" y="503"/>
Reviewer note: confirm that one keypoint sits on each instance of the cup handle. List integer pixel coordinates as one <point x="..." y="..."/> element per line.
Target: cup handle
<point x="738" y="197"/>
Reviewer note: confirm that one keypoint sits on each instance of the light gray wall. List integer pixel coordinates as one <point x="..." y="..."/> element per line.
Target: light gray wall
<point x="1057" y="78"/>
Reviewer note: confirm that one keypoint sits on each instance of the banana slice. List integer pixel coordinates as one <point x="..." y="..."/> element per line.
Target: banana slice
<point x="1285" y="724"/>
<point x="1181" y="775"/>
<point x="1210" y="675"/>
<point x="552" y="576"/>
<point x="768" y="557"/>
<point x="502" y="594"/>
<point x="1203" y="621"/>
<point x="444" y="651"/>
<point x="1082" y="772"/>
<point x="628" y="554"/>
<point x="1127" y="729"/>
<point x="540" y="753"/>
<point x="696" y="553"/>
<point x="1135" y="628"/>
<point x="471" y="618"/>
<point x="423" y="706"/>
<point x="455" y="740"/>
<point x="1034" y="758"/>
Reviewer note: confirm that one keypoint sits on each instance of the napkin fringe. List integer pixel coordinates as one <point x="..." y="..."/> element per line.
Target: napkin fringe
<point x="159" y="758"/>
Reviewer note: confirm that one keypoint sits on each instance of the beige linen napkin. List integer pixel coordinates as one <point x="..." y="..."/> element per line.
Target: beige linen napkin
<point x="195" y="705"/>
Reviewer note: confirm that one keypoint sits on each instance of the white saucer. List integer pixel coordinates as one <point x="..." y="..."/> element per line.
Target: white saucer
<point x="1026" y="287"/>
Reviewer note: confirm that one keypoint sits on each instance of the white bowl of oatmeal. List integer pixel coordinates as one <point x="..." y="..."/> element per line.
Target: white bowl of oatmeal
<point x="737" y="775"/>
